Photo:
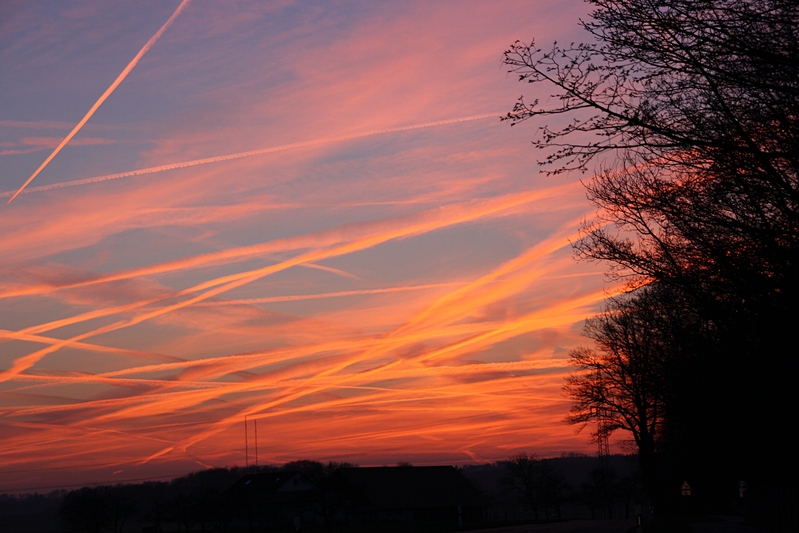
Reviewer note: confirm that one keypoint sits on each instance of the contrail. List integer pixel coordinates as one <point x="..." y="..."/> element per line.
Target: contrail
<point x="325" y="238"/>
<point x="90" y="347"/>
<point x="239" y="155"/>
<point x="296" y="297"/>
<point x="105" y="95"/>
<point x="430" y="221"/>
<point x="564" y="312"/>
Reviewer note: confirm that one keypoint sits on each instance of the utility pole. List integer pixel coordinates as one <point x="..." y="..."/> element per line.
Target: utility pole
<point x="246" y="445"/>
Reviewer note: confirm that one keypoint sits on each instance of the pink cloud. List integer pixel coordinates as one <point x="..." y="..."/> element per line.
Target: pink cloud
<point x="155" y="301"/>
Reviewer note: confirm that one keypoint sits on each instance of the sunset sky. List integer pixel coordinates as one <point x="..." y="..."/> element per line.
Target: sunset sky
<point x="306" y="213"/>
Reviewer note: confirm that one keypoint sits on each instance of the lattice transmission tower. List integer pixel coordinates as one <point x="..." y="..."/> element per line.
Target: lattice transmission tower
<point x="603" y="417"/>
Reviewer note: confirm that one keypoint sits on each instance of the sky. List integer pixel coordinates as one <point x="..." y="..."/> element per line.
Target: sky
<point x="307" y="214"/>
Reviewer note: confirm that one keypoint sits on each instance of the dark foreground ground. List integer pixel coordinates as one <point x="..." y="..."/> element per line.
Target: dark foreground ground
<point x="713" y="524"/>
<point x="572" y="526"/>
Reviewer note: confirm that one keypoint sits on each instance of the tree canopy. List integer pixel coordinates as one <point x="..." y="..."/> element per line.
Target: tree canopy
<point x="688" y="111"/>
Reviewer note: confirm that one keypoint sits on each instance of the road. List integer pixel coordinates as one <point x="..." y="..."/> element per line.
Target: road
<point x="572" y="526"/>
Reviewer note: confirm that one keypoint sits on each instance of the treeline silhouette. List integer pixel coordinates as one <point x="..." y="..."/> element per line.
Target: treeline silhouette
<point x="522" y="489"/>
<point x="689" y="110"/>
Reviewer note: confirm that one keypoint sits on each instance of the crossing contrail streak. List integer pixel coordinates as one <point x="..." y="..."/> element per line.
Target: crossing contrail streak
<point x="238" y="155"/>
<point x="296" y="297"/>
<point x="440" y="218"/>
<point x="436" y="219"/>
<point x="561" y="313"/>
<point x="105" y="95"/>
